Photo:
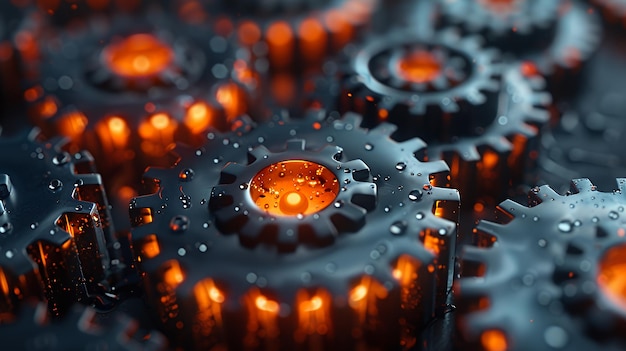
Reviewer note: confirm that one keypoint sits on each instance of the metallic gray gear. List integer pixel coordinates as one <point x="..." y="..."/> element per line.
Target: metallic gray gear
<point x="546" y="259"/>
<point x="402" y="223"/>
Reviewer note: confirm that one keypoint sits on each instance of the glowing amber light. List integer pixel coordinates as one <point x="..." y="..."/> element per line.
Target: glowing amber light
<point x="611" y="278"/>
<point x="113" y="132"/>
<point x="73" y="124"/>
<point x="198" y="117"/>
<point x="263" y="304"/>
<point x="294" y="187"/>
<point x="493" y="340"/>
<point x="501" y="7"/>
<point x="173" y="275"/>
<point x="150" y="247"/>
<point x="419" y="67"/>
<point x="232" y="99"/>
<point x="139" y="55"/>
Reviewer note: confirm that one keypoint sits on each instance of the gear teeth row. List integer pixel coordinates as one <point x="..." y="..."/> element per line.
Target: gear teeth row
<point x="56" y="239"/>
<point x="401" y="227"/>
<point x="557" y="259"/>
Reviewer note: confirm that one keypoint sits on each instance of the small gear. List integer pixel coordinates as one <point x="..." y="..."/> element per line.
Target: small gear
<point x="55" y="237"/>
<point x="557" y="260"/>
<point x="293" y="34"/>
<point x="78" y="330"/>
<point x="555" y="36"/>
<point x="481" y="118"/>
<point x="349" y="251"/>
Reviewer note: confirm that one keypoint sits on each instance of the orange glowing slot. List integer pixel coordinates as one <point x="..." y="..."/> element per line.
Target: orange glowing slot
<point x="139" y="55"/>
<point x="173" y="274"/>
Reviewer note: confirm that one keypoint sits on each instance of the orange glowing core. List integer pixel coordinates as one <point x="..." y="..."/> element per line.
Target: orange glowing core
<point x="139" y="55"/>
<point x="294" y="187"/>
<point x="500" y="6"/>
<point x="611" y="278"/>
<point x="419" y="67"/>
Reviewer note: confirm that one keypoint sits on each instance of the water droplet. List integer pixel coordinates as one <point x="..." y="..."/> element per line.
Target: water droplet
<point x="427" y="187"/>
<point x="182" y="252"/>
<point x="9" y="254"/>
<point x="78" y="207"/>
<point x="179" y="224"/>
<point x="338" y="204"/>
<point x="536" y="218"/>
<point x="415" y="195"/>
<point x="613" y="215"/>
<point x="61" y="158"/>
<point x="419" y="216"/>
<point x="78" y="183"/>
<point x="398" y="228"/>
<point x="243" y="186"/>
<point x="595" y="219"/>
<point x="400" y="166"/>
<point x="202" y="248"/>
<point x="565" y="226"/>
<point x="369" y="147"/>
<point x="542" y="242"/>
<point x="185" y="201"/>
<point x="186" y="175"/>
<point x="556" y="337"/>
<point x="55" y="185"/>
<point x="34" y="226"/>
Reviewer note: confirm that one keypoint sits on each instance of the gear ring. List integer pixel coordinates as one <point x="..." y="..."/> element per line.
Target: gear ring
<point x="328" y="273"/>
<point x="549" y="258"/>
<point x="78" y="330"/>
<point x="498" y="146"/>
<point x="350" y="205"/>
<point x="56" y="239"/>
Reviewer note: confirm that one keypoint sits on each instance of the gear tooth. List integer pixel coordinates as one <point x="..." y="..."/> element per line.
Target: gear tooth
<point x="296" y="145"/>
<point x="33" y="134"/>
<point x="538" y="116"/>
<point x="57" y="142"/>
<point x="446" y="194"/>
<point x="352" y="118"/>
<point x="249" y="232"/>
<point x="582" y="185"/>
<point x="412" y="145"/>
<point x="491" y="227"/>
<point x="546" y="191"/>
<point x="231" y="172"/>
<point x="360" y="171"/>
<point x="511" y="207"/>
<point x="90" y="178"/>
<point x="384" y="129"/>
<point x="20" y="264"/>
<point x="449" y="106"/>
<point x="418" y="108"/>
<point x="501" y="144"/>
<point x="438" y="166"/>
<point x="257" y="153"/>
<point x="474" y="254"/>
<point x="621" y="185"/>
<point x="364" y="195"/>
<point x="331" y="151"/>
<point x="470" y="153"/>
<point x="472" y="287"/>
<point x="155" y="174"/>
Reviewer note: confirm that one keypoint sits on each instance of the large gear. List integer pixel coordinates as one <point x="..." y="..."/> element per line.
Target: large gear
<point x="78" y="330"/>
<point x="56" y="241"/>
<point x="293" y="34"/>
<point x="479" y="117"/>
<point x="556" y="36"/>
<point x="206" y="284"/>
<point x="557" y="260"/>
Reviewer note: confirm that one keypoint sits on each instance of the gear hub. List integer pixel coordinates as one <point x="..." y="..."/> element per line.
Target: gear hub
<point x="349" y="245"/>
<point x="557" y="259"/>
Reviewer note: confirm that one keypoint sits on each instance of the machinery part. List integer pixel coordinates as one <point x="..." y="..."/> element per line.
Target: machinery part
<point x="336" y="281"/>
<point x="55" y="236"/>
<point x="291" y="34"/>
<point x="479" y="117"/>
<point x="557" y="38"/>
<point x="78" y="330"/>
<point x="557" y="261"/>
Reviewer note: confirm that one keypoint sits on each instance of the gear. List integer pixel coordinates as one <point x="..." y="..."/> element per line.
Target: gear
<point x="479" y="117"/>
<point x="295" y="34"/>
<point x="79" y="330"/>
<point x="338" y="256"/>
<point x="128" y="83"/>
<point x="556" y="36"/>
<point x="557" y="261"/>
<point x="55" y="237"/>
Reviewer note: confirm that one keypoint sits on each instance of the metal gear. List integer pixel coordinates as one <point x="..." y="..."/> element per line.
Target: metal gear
<point x="557" y="38"/>
<point x="293" y="35"/>
<point x="556" y="260"/>
<point x="56" y="241"/>
<point x="206" y="284"/>
<point x="78" y="330"/>
<point x="482" y="119"/>
<point x="110" y="79"/>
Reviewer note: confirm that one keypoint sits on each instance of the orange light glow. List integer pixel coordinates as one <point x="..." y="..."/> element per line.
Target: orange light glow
<point x="73" y="124"/>
<point x="263" y="304"/>
<point x="232" y="98"/>
<point x="113" y="133"/>
<point x="157" y="133"/>
<point x="338" y="22"/>
<point x="294" y="187"/>
<point x="419" y="67"/>
<point x="490" y="159"/>
<point x="500" y="7"/>
<point x="173" y="274"/>
<point x="280" y="41"/>
<point x="283" y="88"/>
<point x="209" y="299"/>
<point x="431" y="242"/>
<point x="48" y="107"/>
<point x="611" y="278"/>
<point x="139" y="55"/>
<point x="4" y="283"/>
<point x="198" y="117"/>
<point x="405" y="270"/>
<point x="150" y="247"/>
<point x="313" y="39"/>
<point x="363" y="298"/>
<point x="262" y="320"/>
<point x="249" y="33"/>
<point x="313" y="314"/>
<point x="493" y="340"/>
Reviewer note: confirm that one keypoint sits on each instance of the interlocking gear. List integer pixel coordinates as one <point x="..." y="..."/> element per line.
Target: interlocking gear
<point x="56" y="241"/>
<point x="353" y="250"/>
<point x="479" y="117"/>
<point x="78" y="330"/>
<point x="557" y="260"/>
<point x="556" y="36"/>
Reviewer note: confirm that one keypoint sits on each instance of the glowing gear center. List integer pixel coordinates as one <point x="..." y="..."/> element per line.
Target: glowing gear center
<point x="139" y="55"/>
